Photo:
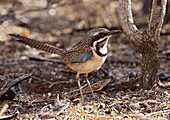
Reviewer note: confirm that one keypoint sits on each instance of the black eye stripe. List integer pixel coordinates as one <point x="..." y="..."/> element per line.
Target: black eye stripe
<point x="98" y="36"/>
<point x="102" y="41"/>
<point x="98" y="42"/>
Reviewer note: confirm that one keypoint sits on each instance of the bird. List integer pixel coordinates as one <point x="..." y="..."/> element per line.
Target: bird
<point x="85" y="56"/>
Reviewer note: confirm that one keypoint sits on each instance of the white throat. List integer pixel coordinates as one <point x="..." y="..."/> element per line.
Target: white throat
<point x="104" y="50"/>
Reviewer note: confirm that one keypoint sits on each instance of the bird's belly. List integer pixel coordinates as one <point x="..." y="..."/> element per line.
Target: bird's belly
<point x="90" y="65"/>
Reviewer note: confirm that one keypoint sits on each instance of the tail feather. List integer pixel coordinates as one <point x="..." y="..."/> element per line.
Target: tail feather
<point x="38" y="45"/>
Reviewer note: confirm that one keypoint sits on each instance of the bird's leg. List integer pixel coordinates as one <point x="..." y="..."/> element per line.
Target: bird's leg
<point x="86" y="75"/>
<point x="77" y="75"/>
<point x="78" y="81"/>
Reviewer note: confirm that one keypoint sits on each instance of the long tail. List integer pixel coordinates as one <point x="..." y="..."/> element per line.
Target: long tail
<point x="38" y="45"/>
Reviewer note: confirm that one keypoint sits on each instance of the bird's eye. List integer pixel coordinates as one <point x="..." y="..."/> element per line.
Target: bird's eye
<point x="102" y="34"/>
<point x="98" y="36"/>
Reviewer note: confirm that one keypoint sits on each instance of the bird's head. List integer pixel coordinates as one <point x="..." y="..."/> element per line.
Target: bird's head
<point x="99" y="39"/>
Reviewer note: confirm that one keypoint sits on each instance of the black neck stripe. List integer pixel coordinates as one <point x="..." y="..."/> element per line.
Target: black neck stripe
<point x="100" y="54"/>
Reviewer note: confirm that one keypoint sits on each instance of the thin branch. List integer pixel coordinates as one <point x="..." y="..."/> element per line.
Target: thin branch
<point x="7" y="89"/>
<point x="126" y="20"/>
<point x="157" y="17"/>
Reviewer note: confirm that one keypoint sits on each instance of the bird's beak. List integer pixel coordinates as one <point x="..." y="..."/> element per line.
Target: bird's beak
<point x="114" y="31"/>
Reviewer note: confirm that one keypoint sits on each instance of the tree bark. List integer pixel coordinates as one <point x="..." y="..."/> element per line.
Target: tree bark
<point x="150" y="61"/>
<point x="145" y="42"/>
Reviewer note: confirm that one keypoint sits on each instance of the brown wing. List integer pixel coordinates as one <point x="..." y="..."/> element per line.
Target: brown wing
<point x="77" y="56"/>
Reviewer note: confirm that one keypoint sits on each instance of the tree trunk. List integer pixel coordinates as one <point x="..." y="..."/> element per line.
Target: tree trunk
<point x="146" y="43"/>
<point x="150" y="61"/>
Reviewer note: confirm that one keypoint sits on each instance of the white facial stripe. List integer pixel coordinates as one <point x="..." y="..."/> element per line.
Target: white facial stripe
<point x="103" y="49"/>
<point x="95" y="33"/>
<point x="102" y="39"/>
<point x="94" y="44"/>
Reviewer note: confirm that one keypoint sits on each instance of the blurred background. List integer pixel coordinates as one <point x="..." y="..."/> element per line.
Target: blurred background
<point x="58" y="17"/>
<point x="63" y="23"/>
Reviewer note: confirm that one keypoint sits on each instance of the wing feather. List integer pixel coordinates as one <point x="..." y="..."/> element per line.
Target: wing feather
<point x="77" y="57"/>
